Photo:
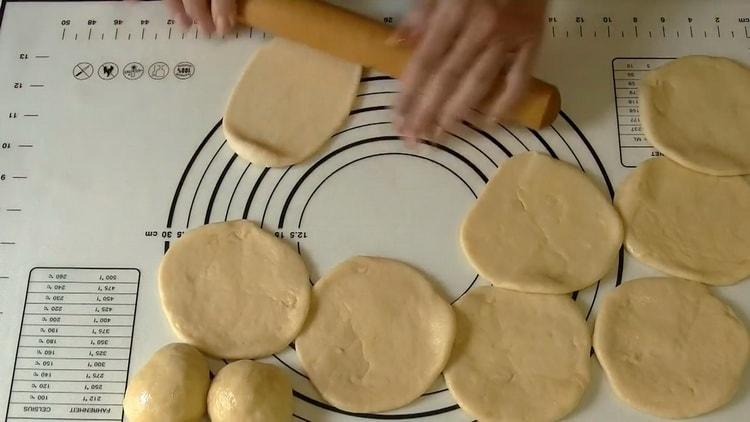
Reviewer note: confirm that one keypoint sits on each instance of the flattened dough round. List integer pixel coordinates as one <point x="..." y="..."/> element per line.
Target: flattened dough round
<point x="288" y="102"/>
<point x="541" y="226"/>
<point x="234" y="290"/>
<point x="685" y="223"/>
<point x="171" y="387"/>
<point x="378" y="336"/>
<point x="696" y="111"/>
<point x="669" y="347"/>
<point x="518" y="356"/>
<point x="247" y="391"/>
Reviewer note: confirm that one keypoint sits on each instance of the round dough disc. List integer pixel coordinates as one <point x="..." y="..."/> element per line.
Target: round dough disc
<point x="696" y="111"/>
<point x="686" y="223"/>
<point x="247" y="391"/>
<point x="669" y="347"/>
<point x="288" y="102"/>
<point x="172" y="386"/>
<point x="234" y="290"/>
<point x="518" y="356"/>
<point x="541" y="226"/>
<point x="378" y="336"/>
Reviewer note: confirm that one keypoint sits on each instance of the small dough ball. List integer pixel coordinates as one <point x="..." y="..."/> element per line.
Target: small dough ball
<point x="669" y="347"/>
<point x="518" y="356"/>
<point x="686" y="223"/>
<point x="234" y="290"/>
<point x="541" y="226"/>
<point x="247" y="391"/>
<point x="171" y="387"/>
<point x="378" y="336"/>
<point x="696" y="111"/>
<point x="288" y="103"/>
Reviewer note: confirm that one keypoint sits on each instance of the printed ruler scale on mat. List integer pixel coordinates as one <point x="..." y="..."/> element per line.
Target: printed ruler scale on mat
<point x="111" y="147"/>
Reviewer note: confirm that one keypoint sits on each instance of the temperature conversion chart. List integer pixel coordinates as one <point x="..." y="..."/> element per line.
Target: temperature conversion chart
<point x="111" y="147"/>
<point x="75" y="342"/>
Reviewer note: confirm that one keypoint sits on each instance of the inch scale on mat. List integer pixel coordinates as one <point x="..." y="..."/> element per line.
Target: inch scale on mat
<point x="110" y="146"/>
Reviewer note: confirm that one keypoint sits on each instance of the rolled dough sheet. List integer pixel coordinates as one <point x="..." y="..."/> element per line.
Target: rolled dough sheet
<point x="288" y="102"/>
<point x="669" y="347"/>
<point x="518" y="356"/>
<point x="172" y="386"/>
<point x="378" y="336"/>
<point x="685" y="223"/>
<point x="542" y="226"/>
<point x="247" y="391"/>
<point x="234" y="290"/>
<point x="696" y="111"/>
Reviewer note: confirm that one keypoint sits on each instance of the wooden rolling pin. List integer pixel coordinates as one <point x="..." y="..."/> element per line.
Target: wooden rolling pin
<point x="361" y="40"/>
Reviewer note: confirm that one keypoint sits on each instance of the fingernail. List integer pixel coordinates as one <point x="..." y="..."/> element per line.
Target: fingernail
<point x="437" y="132"/>
<point x="221" y="25"/>
<point x="408" y="135"/>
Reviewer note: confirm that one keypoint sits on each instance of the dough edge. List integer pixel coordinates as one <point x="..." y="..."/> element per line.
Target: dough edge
<point x="255" y="152"/>
<point x="214" y="350"/>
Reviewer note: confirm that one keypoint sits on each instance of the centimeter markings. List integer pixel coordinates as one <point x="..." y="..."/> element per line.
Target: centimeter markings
<point x="654" y="27"/>
<point x="147" y="30"/>
<point x="568" y="27"/>
<point x="16" y="149"/>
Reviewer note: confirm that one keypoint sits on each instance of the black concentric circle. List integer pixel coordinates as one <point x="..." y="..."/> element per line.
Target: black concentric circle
<point x="298" y="203"/>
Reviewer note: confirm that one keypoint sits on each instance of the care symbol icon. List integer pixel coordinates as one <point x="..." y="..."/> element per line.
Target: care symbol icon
<point x="158" y="70"/>
<point x="133" y="71"/>
<point x="184" y="70"/>
<point x="83" y="71"/>
<point x="108" y="71"/>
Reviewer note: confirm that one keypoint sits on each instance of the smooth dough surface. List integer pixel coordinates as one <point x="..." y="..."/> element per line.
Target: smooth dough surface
<point x="541" y="226"/>
<point x="247" y="391"/>
<point x="378" y="336"/>
<point x="669" y="347"/>
<point x="696" y="111"/>
<point x="288" y="102"/>
<point x="687" y="224"/>
<point x="518" y="356"/>
<point x="234" y="290"/>
<point x="171" y="387"/>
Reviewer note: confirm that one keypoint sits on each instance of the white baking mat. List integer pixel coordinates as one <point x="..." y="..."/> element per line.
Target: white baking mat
<point x="111" y="146"/>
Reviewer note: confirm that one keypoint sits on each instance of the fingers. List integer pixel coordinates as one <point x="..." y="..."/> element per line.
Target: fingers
<point x="423" y="119"/>
<point x="479" y="80"/>
<point x="223" y="12"/>
<point x="177" y="10"/>
<point x="201" y="14"/>
<point x="516" y="82"/>
<point x="444" y="25"/>
<point x="413" y="25"/>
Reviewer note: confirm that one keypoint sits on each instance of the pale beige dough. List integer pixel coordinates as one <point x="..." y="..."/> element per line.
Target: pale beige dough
<point x="234" y="290"/>
<point x="518" y="356"/>
<point x="542" y="226"/>
<point x="378" y="336"/>
<point x="685" y="223"/>
<point x="171" y="387"/>
<point x="247" y="391"/>
<point x="696" y="111"/>
<point x="289" y="101"/>
<point x="669" y="347"/>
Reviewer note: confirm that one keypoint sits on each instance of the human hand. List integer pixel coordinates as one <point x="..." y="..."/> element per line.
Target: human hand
<point x="465" y="50"/>
<point x="210" y="15"/>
